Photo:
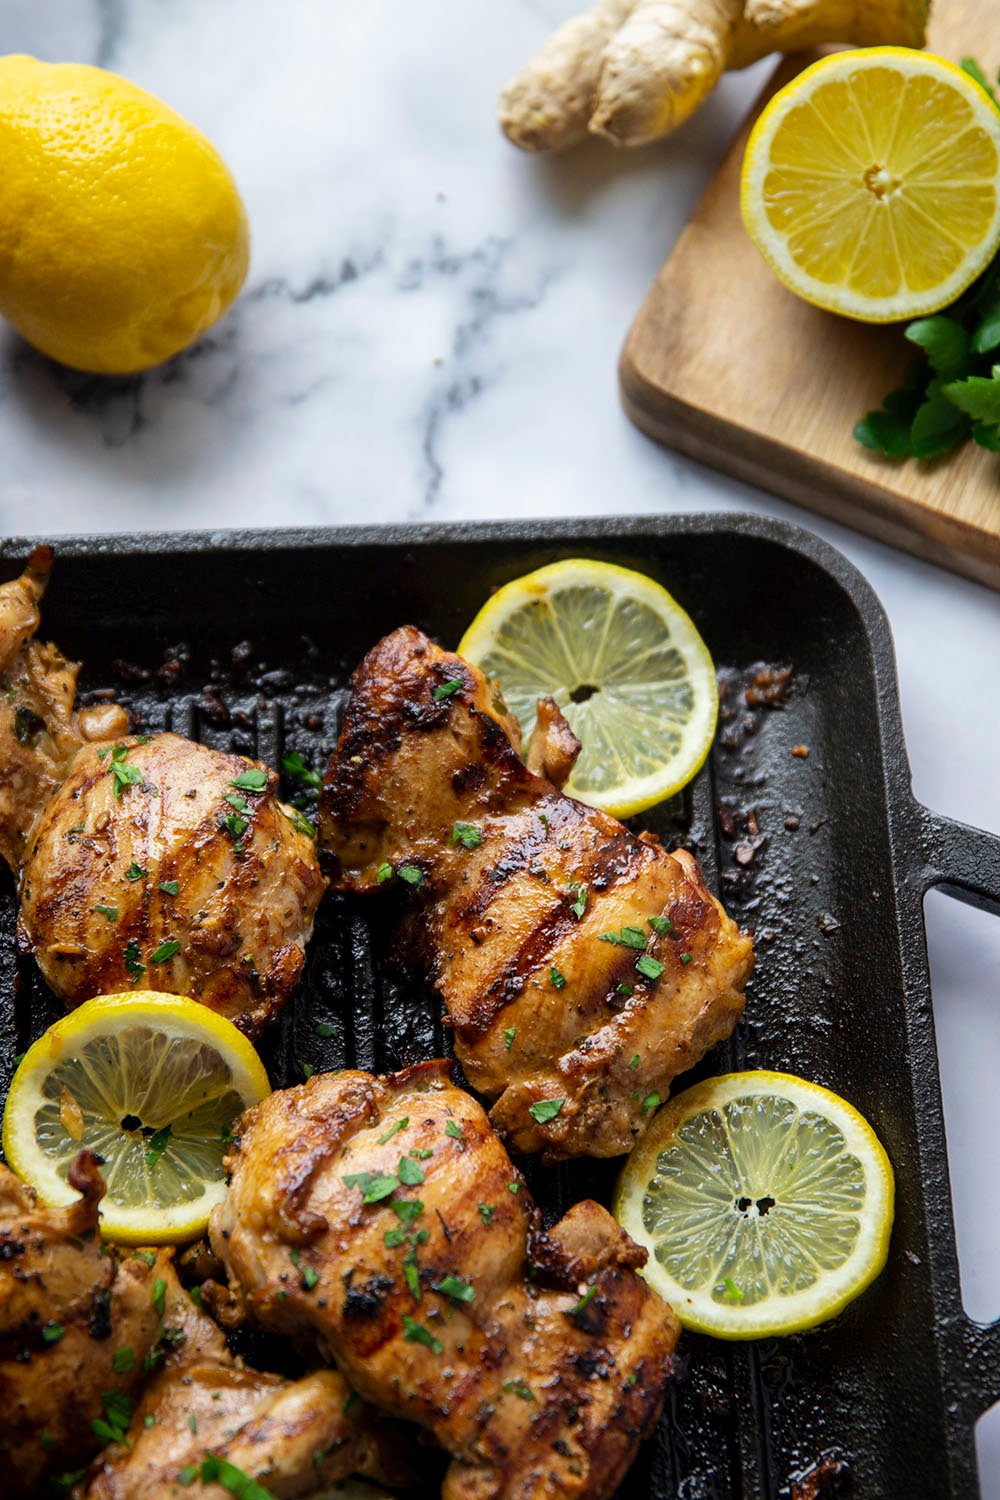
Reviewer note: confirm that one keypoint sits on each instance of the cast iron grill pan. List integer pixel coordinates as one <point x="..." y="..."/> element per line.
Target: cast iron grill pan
<point x="246" y="641"/>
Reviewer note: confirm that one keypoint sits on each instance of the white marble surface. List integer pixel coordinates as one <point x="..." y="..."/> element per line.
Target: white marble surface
<point x="430" y="329"/>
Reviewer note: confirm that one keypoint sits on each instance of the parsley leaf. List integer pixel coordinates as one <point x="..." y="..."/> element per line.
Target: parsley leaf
<point x="469" y="835"/>
<point x="510" y="1032"/>
<point x="453" y="1129"/>
<point x="625" y="937"/>
<point x="254" y="780"/>
<point x="447" y="689"/>
<point x="156" y="1145"/>
<point x="558" y="979"/>
<point x="546" y="1109"/>
<point x="159" y="1296"/>
<point x="418" y="1334"/>
<point x="579" y="906"/>
<point x="170" y="887"/>
<point x="410" y="1175"/>
<point x="293" y="765"/>
<point x="384" y="872"/>
<point x="394" y="1130"/>
<point x="412" y="874"/>
<point x="135" y="872"/>
<point x="457" y="1289"/>
<point x="165" y="951"/>
<point x="111" y="912"/>
<point x="486" y="1212"/>
<point x="134" y="965"/>
<point x="374" y="1186"/>
<point x="52" y="1332"/>
<point x="648" y="967"/>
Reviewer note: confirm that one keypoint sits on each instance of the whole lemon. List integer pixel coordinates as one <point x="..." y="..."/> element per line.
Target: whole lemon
<point x="122" y="234"/>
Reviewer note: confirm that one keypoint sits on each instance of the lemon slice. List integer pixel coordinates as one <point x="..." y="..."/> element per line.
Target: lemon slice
<point x="765" y="1203"/>
<point x="150" y="1082"/>
<point x="625" y="665"/>
<point x="871" y="183"/>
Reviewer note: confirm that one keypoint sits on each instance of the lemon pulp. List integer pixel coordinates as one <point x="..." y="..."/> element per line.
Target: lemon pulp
<point x="765" y="1203"/>
<point x="623" y="661"/>
<point x="871" y="183"/>
<point x="151" y="1083"/>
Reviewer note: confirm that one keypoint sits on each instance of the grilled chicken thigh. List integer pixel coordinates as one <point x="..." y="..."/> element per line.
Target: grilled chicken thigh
<point x="582" y="967"/>
<point x="68" y="1308"/>
<point x="383" y="1218"/>
<point x="142" y="860"/>
<point x="182" y="878"/>
<point x="291" y="1436"/>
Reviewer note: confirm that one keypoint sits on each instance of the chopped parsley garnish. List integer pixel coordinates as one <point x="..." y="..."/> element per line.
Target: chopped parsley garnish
<point x="394" y="1130"/>
<point x="192" y="1421"/>
<point x="421" y="1153"/>
<point x="165" y="951"/>
<point x="294" y="1256"/>
<point x="159" y="1297"/>
<point x="412" y="1273"/>
<point x="307" y="1070"/>
<point x="134" y="965"/>
<point x="685" y="958"/>
<point x="220" y="1471"/>
<point x="650" y="1103"/>
<point x="545" y="1110"/>
<point x="513" y="1187"/>
<point x="447" y="689"/>
<point x="240" y="803"/>
<point x="583" y="1303"/>
<point x="660" y="924"/>
<point x="310" y="1276"/>
<point x="453" y="1129"/>
<point x="156" y="1145"/>
<point x="624" y="989"/>
<point x="149" y="1420"/>
<point x="486" y="1212"/>
<point x="123" y="1360"/>
<point x="135" y="872"/>
<point x="558" y="978"/>
<point x="324" y="1028"/>
<point x="418" y="1334"/>
<point x="579" y="906"/>
<point x="299" y="823"/>
<point x="649" y="967"/>
<point x="732" y="1291"/>
<point x="625" y="937"/>
<point x="188" y="1475"/>
<point x="469" y="835"/>
<point x="52" y="1332"/>
<point x="170" y="887"/>
<point x="410" y="1175"/>
<point x="457" y="1289"/>
<point x="148" y="1257"/>
<point x="123" y="774"/>
<point x="384" y="872"/>
<point x="518" y="1388"/>
<point x="374" y="1186"/>
<point x="510" y="1032"/>
<point x="111" y="912"/>
<point x="293" y="765"/>
<point x="394" y="1237"/>
<point x="235" y="825"/>
<point x="634" y="1062"/>
<point x="407" y="1209"/>
<point x="412" y="874"/>
<point x="254" y="780"/>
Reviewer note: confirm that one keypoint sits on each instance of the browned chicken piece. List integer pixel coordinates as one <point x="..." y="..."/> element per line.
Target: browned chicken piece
<point x="383" y="1217"/>
<point x="204" y="1412"/>
<point x="582" y="967"/>
<point x="40" y="728"/>
<point x="180" y="878"/>
<point x="143" y="860"/>
<point x="77" y="1322"/>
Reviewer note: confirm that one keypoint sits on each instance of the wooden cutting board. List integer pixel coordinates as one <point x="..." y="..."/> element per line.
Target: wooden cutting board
<point x="724" y="364"/>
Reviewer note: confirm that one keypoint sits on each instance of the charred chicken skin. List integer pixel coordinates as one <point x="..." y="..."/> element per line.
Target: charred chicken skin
<point x="383" y="1218"/>
<point x="291" y="1436"/>
<point x="68" y="1307"/>
<point x="142" y="859"/>
<point x="582" y="967"/>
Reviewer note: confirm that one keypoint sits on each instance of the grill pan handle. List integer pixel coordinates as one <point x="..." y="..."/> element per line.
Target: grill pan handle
<point x="964" y="861"/>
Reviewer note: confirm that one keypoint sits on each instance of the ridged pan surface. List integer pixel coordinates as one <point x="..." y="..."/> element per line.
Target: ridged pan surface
<point x="247" y="642"/>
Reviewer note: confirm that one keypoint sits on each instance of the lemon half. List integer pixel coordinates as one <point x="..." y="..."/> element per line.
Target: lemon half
<point x="871" y="183"/>
<point x="624" y="663"/>
<point x="765" y="1203"/>
<point x="152" y="1083"/>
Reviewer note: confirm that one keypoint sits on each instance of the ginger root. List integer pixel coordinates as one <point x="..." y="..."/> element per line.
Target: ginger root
<point x="633" y="70"/>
